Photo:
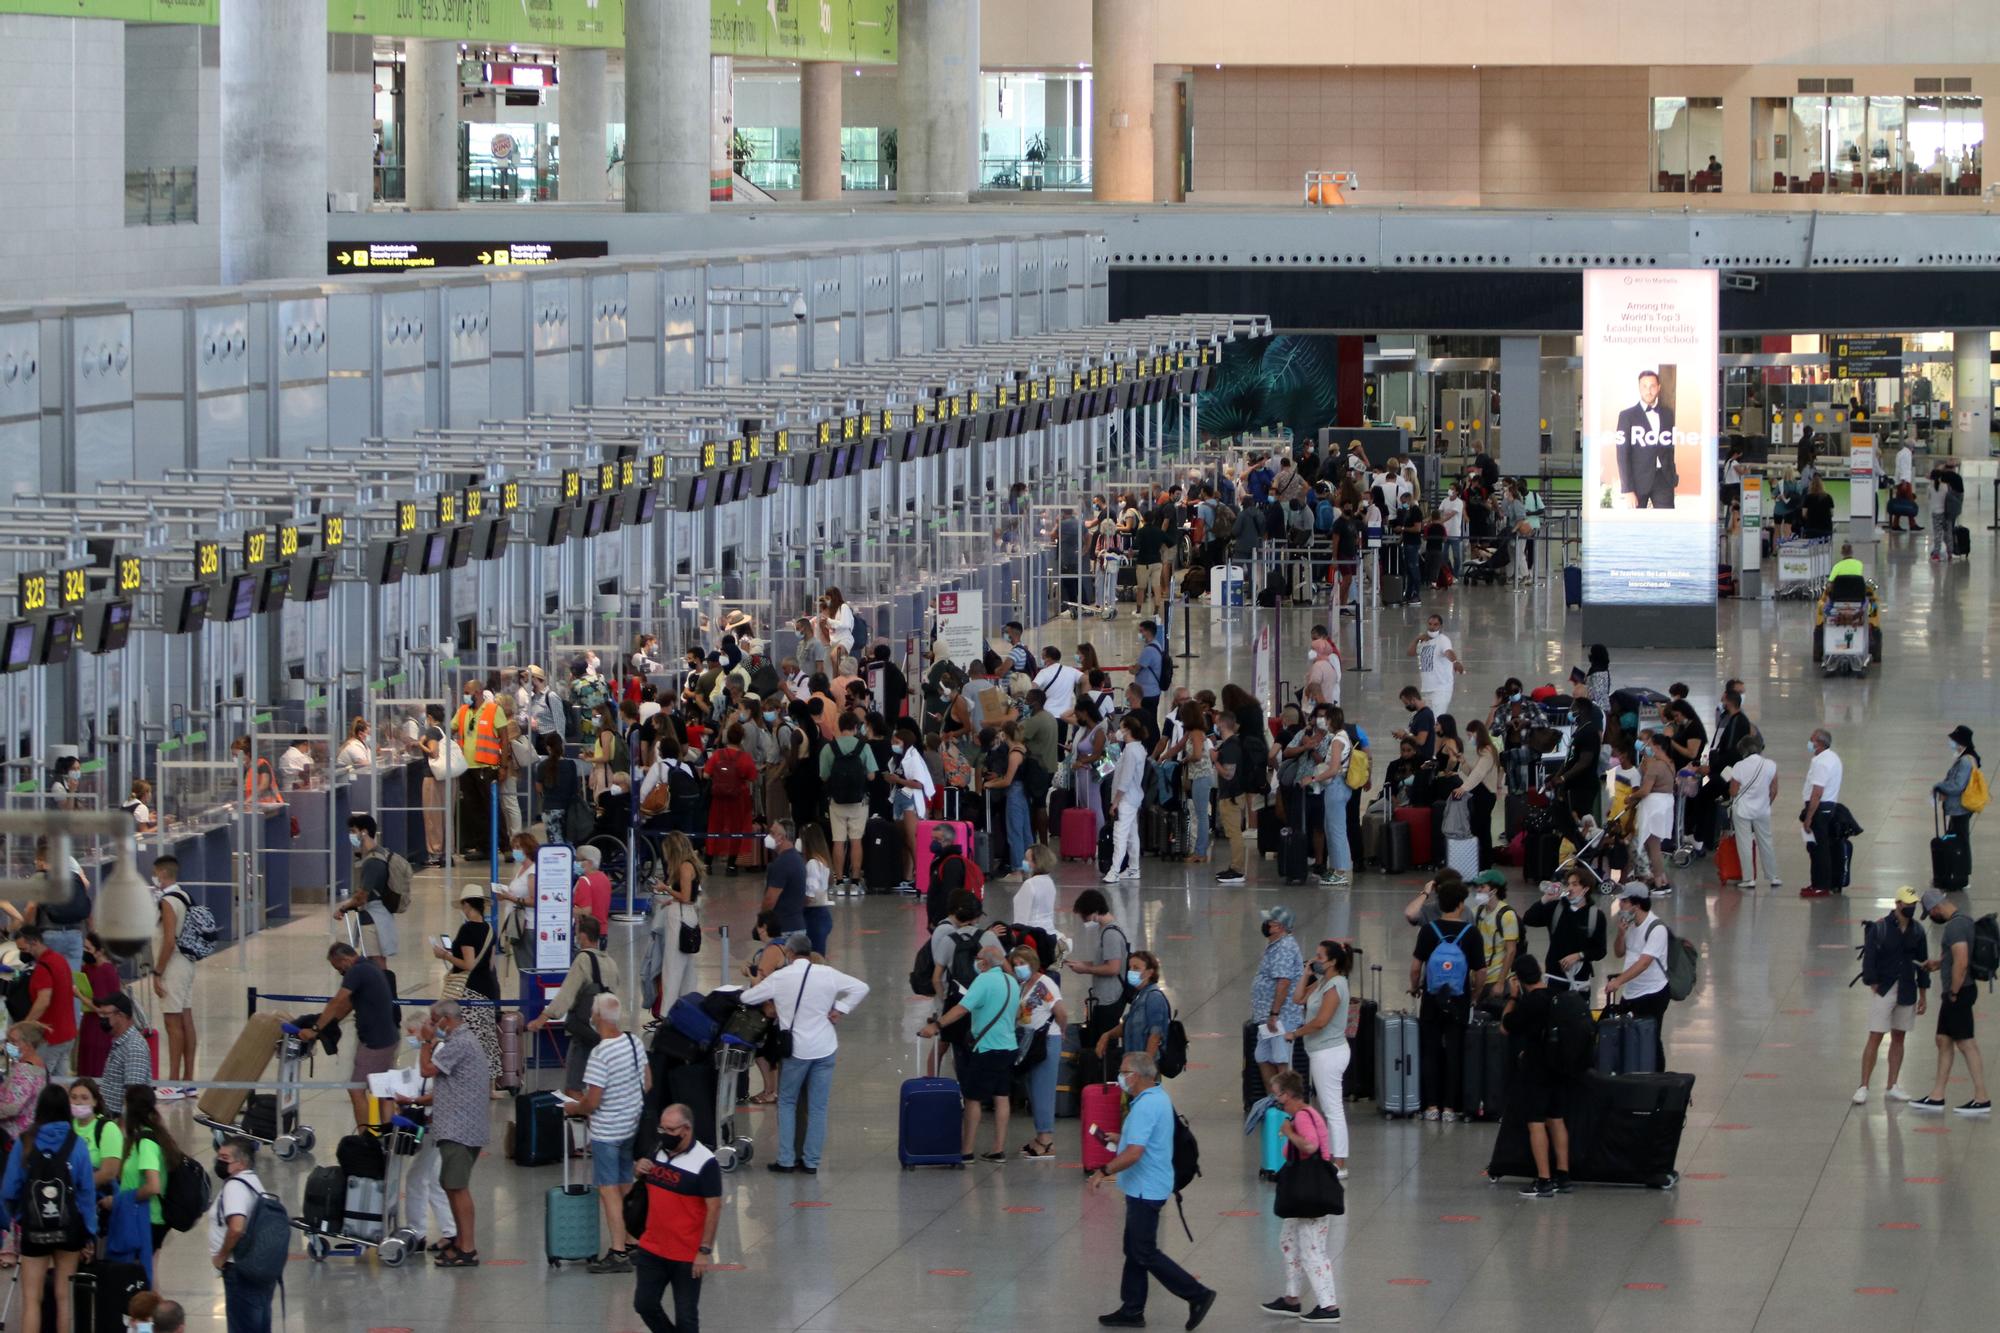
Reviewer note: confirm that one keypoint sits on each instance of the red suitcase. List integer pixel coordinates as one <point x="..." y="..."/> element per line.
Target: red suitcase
<point x="1103" y="1113"/>
<point x="1079" y="834"/>
<point x="1420" y="820"/>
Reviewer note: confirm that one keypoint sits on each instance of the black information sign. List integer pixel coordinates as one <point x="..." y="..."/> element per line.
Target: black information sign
<point x="1868" y="358"/>
<point x="369" y="256"/>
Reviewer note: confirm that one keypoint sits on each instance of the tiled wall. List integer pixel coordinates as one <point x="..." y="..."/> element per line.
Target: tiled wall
<point x="62" y="99"/>
<point x="1562" y="131"/>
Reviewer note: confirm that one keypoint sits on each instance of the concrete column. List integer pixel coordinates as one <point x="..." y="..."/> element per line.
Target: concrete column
<point x="819" y="130"/>
<point x="273" y="206"/>
<point x="1121" y="65"/>
<point x="1168" y="135"/>
<point x="586" y="119"/>
<point x="430" y="126"/>
<point x="1521" y="405"/>
<point x="667" y="106"/>
<point x="937" y="148"/>
<point x="350" y="119"/>
<point x="1971" y="392"/>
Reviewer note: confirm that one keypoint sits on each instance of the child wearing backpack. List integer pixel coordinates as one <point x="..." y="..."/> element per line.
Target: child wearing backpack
<point x="48" y="1190"/>
<point x="1447" y="969"/>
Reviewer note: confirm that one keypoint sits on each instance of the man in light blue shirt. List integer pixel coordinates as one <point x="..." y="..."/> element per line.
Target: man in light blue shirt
<point x="1145" y="1170"/>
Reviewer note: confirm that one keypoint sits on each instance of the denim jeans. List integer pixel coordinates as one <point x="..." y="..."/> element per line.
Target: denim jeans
<point x="815" y="1079"/>
<point x="1201" y="790"/>
<point x="655" y="1277"/>
<point x="819" y="926"/>
<point x="246" y="1304"/>
<point x="1042" y="1083"/>
<point x="1020" y="830"/>
<point x="1333" y="810"/>
<point x="1143" y="1258"/>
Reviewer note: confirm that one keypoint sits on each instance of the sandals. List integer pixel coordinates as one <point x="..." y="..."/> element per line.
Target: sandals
<point x="453" y="1257"/>
<point x="764" y="1099"/>
<point x="1047" y="1149"/>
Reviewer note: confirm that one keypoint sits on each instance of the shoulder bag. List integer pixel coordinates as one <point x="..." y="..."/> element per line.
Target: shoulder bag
<point x="458" y="982"/>
<point x="1309" y="1187"/>
<point x="782" y="1042"/>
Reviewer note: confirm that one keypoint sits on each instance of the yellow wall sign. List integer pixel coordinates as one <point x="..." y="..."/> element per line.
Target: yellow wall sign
<point x="781" y="443"/>
<point x="34" y="593"/>
<point x="572" y="484"/>
<point x="474" y="502"/>
<point x="510" y="496"/>
<point x="75" y="586"/>
<point x="447" y="509"/>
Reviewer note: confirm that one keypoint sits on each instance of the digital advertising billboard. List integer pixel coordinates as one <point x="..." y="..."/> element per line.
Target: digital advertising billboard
<point x="1649" y="442"/>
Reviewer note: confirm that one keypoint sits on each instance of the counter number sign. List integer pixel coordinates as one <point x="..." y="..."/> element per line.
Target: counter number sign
<point x="34" y="593"/>
<point x="333" y="532"/>
<point x="288" y="540"/>
<point x="572" y="485"/>
<point x="130" y="574"/>
<point x="256" y="548"/>
<point x="406" y="517"/>
<point x="207" y="560"/>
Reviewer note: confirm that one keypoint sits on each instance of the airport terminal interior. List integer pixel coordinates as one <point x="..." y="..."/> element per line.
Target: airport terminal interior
<point x="393" y="396"/>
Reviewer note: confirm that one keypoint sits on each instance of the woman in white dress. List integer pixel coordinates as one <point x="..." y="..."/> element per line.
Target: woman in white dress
<point x="677" y="903"/>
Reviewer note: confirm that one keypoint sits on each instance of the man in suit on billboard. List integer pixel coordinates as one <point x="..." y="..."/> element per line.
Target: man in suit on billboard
<point x="1645" y="448"/>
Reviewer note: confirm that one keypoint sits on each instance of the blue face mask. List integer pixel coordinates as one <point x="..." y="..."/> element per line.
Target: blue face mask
<point x="1022" y="971"/>
<point x="770" y="717"/>
<point x="354" y="840"/>
<point x="519" y="856"/>
<point x="1134" y="977"/>
<point x="1124" y="1085"/>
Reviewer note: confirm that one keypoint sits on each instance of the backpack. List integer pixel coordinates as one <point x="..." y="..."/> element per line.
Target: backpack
<point x="847" y="776"/>
<point x="1975" y="795"/>
<point x="1985" y="948"/>
<point x="199" y="934"/>
<point x="259" y="1257"/>
<point x="1187" y="1165"/>
<point x="576" y="1023"/>
<point x="1571" y="1041"/>
<point x="764" y="681"/>
<point x="862" y="637"/>
<point x="1870" y="952"/>
<point x="729" y="783"/>
<point x="20" y="992"/>
<point x="1684" y="962"/>
<point x="1299" y="523"/>
<point x="1445" y="969"/>
<point x="186" y="1196"/>
<point x="975" y="878"/>
<point x="50" y="1215"/>
<point x="1172" y="1058"/>
<point x="964" y="968"/>
<point x="395" y="894"/>
<point x="1357" y="768"/>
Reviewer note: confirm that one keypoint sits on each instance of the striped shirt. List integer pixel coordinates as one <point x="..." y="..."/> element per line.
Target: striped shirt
<point x="619" y="1068"/>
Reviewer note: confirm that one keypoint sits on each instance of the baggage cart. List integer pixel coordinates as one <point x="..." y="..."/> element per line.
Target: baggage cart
<point x="399" y="1141"/>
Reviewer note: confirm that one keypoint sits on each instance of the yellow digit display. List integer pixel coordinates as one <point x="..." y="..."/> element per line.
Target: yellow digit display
<point x="735" y="452"/>
<point x="657" y="466"/>
<point x="607" y="477"/>
<point x="207" y="559"/>
<point x="510" y="496"/>
<point x="333" y="532"/>
<point x="923" y="414"/>
<point x="475" y="502"/>
<point x="753" y="447"/>
<point x="826" y="432"/>
<point x="782" y="442"/>
<point x="849" y="429"/>
<point x="707" y="457"/>
<point x="406" y="517"/>
<point x="130" y="573"/>
<point x="75" y="584"/>
<point x="447" y="509"/>
<point x="288" y="540"/>
<point x="34" y="593"/>
<point x="886" y="427"/>
<point x="625" y="473"/>
<point x="256" y="548"/>
<point x="572" y="483"/>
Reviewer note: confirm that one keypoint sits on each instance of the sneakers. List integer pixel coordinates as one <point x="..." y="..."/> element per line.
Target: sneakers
<point x="1325" y="1314"/>
<point x="1131" y="872"/>
<point x="1122" y="1319"/>
<point x="1539" y="1189"/>
<point x="1285" y="1306"/>
<point x="1199" y="1307"/>
<point x="1562" y="1183"/>
<point x="1974" y="1108"/>
<point x="1449" y="1117"/>
<point x="1230" y="877"/>
<point x="1111" y="877"/>
<point x="614" y="1261"/>
<point x="1927" y="1103"/>
<point x="1861" y="1096"/>
<point x="1897" y="1093"/>
<point x="906" y="887"/>
<point x="1335" y="879"/>
<point x="1430" y="1113"/>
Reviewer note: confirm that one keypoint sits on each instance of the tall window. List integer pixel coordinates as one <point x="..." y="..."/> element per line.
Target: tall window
<point x="1687" y="145"/>
<point x="1866" y="145"/>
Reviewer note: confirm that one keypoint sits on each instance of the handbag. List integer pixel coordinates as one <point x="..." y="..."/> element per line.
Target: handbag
<point x="1309" y="1187"/>
<point x="782" y="1044"/>
<point x="1457" y="821"/>
<point x="690" y="937"/>
<point x="654" y="802"/>
<point x="457" y="982"/>
<point x="450" y="762"/>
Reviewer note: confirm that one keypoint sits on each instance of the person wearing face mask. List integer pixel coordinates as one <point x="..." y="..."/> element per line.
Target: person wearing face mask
<point x="247" y="1304"/>
<point x="785" y="877"/>
<point x="1960" y="992"/>
<point x="1043" y="1018"/>
<point x="810" y="999"/>
<point x="683" y="1184"/>
<point x="1951" y="794"/>
<point x="1894" y="952"/>
<point x="985" y="1069"/>
<point x="1274" y="994"/>
<point x="1821" y="818"/>
<point x="1641" y="944"/>
<point x="1576" y="930"/>
<point x="1499" y="934"/>
<point x="151" y="1312"/>
<point x="481" y="729"/>
<point x="1753" y="786"/>
<point x="368" y="993"/>
<point x="373" y="928"/>
<point x="1654" y="824"/>
<point x="912" y="790"/>
<point x="129" y="1059"/>
<point x="541" y="715"/>
<point x="1147" y="1015"/>
<point x="449" y="1055"/>
<point x="1144" y="1169"/>
<point x="1332" y="1021"/>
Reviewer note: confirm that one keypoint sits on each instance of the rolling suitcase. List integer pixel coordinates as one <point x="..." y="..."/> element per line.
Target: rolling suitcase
<point x="569" y="1221"/>
<point x="1069" y="1085"/>
<point x="1269" y="828"/>
<point x="1951" y="863"/>
<point x="1516" y="811"/>
<point x="513" y="1031"/>
<point x="1078" y="838"/>
<point x="1462" y="855"/>
<point x="324" y="1206"/>
<point x="100" y="1293"/>
<point x="1359" y="1081"/>
<point x="1626" y="1045"/>
<point x="1106" y="842"/>
<point x="1294" y="855"/>
<point x="261" y="1119"/>
<point x="1395" y="858"/>
<point x="1423" y="828"/>
<point x="881" y="856"/>
<point x="1485" y="1064"/>
<point x="1271" y="1144"/>
<point x="928" y="1119"/>
<point x="1961" y="541"/>
<point x="1572" y="585"/>
<point x="1397" y="1093"/>
<point x="365" y="1209"/>
<point x="1636" y="1122"/>
<point x="1103" y="1112"/>
<point x="536" y="1136"/>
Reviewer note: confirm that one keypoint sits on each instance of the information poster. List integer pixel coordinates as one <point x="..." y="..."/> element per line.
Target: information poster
<point x="961" y="626"/>
<point x="1649" y="443"/>
<point x="1751" y="556"/>
<point x="555" y="881"/>
<point x="1862" y="466"/>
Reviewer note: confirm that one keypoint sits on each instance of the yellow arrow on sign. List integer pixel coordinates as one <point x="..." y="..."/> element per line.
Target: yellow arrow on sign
<point x="344" y="258"/>
<point x="485" y="257"/>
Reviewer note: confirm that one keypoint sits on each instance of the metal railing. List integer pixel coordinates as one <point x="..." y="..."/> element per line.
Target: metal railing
<point x="1021" y="173"/>
<point x="160" y="196"/>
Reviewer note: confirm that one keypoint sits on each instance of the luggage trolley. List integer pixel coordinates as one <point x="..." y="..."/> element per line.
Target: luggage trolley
<point x="285" y="1144"/>
<point x="400" y="1138"/>
<point x="733" y="1056"/>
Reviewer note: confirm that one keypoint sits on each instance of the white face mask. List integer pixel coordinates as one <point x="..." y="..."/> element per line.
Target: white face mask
<point x="770" y="842"/>
<point x="1479" y="900"/>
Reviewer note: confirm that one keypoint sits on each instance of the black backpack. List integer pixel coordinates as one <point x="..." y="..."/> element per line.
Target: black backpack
<point x="847" y="776"/>
<point x="1571" y="1040"/>
<point x="1187" y="1165"/>
<point x="964" y="969"/>
<point x="20" y="995"/>
<point x="50" y="1215"/>
<point x="1172" y="1059"/>
<point x="577" y="1022"/>
<point x="187" y="1195"/>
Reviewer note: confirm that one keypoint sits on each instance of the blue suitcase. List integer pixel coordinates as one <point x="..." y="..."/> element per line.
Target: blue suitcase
<point x="1572" y="585"/>
<point x="1626" y="1045"/>
<point x="1271" y="1144"/>
<point x="928" y="1123"/>
<point x="569" y="1219"/>
<point x="537" y="1129"/>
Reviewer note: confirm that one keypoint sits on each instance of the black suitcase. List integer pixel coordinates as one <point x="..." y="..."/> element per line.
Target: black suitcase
<point x="1543" y="851"/>
<point x="1069" y="1077"/>
<point x="1268" y="827"/>
<point x="1951" y="860"/>
<point x="1294" y="855"/>
<point x="1624" y="1129"/>
<point x="1961" y="541"/>
<point x="1104" y="846"/>
<point x="1395" y="848"/>
<point x="695" y="1087"/>
<point x="1572" y="585"/>
<point x="260" y="1116"/>
<point x="362" y="1155"/>
<point x="1516" y="812"/>
<point x="1359" y="1081"/>
<point x="324" y="1207"/>
<point x="1485" y="1065"/>
<point x="881" y="856"/>
<point x="537" y="1129"/>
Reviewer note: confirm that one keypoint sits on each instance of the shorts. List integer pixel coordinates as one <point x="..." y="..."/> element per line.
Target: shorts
<point x="902" y="802"/>
<point x="1272" y="1049"/>
<point x="610" y="1162"/>
<point x="30" y="1250"/>
<point x="178" y="980"/>
<point x="1535" y="1099"/>
<point x="988" y="1075"/>
<point x="1955" y="1016"/>
<point x="1885" y="1015"/>
<point x="373" y="1060"/>
<point x="575" y="1063"/>
<point x="848" y="821"/>
<point x="455" y="1163"/>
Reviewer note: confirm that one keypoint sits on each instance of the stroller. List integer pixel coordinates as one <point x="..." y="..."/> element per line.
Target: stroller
<point x="1495" y="568"/>
<point x="1847" y="636"/>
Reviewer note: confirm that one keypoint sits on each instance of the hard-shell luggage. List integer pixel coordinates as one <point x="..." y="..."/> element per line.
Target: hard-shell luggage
<point x="1423" y="829"/>
<point x="1951" y="863"/>
<point x="928" y="1121"/>
<point x="1623" y="1130"/>
<point x="926" y="830"/>
<point x="1271" y="1143"/>
<point x="513" y="1035"/>
<point x="1961" y="541"/>
<point x="1540" y="855"/>
<point x="1572" y="585"/>
<point x="100" y="1293"/>
<point x="1294" y="854"/>
<point x="1462" y="855"/>
<point x="569" y="1221"/>
<point x="1107" y="842"/>
<point x="262" y="1120"/>
<point x="1269" y="826"/>
<point x="881" y="856"/>
<point x="1103" y="1113"/>
<point x="1358" y="1083"/>
<point x="249" y="1056"/>
<point x="537" y="1132"/>
<point x="365" y="1208"/>
<point x="1627" y="1044"/>
<point x="1078" y="838"/>
<point x="1395" y="857"/>
<point x="1486" y="1065"/>
<point x="1397" y="1092"/>
<point x="1069" y="1085"/>
<point x="324" y="1206"/>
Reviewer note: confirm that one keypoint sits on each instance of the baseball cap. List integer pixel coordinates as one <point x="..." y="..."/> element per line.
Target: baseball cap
<point x="1907" y="896"/>
<point x="1490" y="877"/>
<point x="1636" y="891"/>
<point x="1932" y="900"/>
<point x="1281" y="916"/>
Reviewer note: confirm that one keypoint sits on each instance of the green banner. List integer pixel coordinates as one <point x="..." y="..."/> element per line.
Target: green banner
<point x="853" y="32"/>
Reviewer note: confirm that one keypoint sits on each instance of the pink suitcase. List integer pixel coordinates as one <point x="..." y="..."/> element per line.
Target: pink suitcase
<point x="966" y="834"/>
<point x="1103" y="1111"/>
<point x="1079" y="834"/>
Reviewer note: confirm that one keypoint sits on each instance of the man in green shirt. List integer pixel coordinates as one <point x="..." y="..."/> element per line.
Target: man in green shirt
<point x="1038" y="737"/>
<point x="991" y="1003"/>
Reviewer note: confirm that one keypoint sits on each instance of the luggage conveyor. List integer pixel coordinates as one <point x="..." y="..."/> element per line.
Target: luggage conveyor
<point x="283" y="598"/>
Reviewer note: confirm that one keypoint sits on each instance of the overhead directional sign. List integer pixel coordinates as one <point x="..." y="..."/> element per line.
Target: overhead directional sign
<point x="368" y="256"/>
<point x="1878" y="358"/>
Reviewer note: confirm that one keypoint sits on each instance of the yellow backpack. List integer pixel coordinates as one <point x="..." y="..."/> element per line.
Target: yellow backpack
<point x="1974" y="796"/>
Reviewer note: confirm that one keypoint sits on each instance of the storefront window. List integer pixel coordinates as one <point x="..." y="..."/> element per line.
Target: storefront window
<point x="1687" y="145"/>
<point x="1866" y="145"/>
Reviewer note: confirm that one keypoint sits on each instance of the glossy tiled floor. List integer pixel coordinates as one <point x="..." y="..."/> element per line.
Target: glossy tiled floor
<point x="1798" y="1211"/>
